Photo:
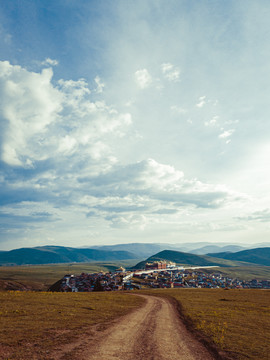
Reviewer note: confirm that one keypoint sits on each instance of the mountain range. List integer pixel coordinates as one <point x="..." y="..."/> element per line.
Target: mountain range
<point x="200" y="248"/>
<point x="183" y="258"/>
<point x="59" y="254"/>
<point x="260" y="256"/>
<point x="257" y="256"/>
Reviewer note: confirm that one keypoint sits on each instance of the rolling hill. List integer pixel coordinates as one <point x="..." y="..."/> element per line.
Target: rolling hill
<point x="199" y="248"/>
<point x="259" y="256"/>
<point x="59" y="254"/>
<point x="183" y="258"/>
<point x="217" y="249"/>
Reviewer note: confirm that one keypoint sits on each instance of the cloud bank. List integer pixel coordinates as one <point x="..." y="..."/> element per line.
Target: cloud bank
<point x="57" y="157"/>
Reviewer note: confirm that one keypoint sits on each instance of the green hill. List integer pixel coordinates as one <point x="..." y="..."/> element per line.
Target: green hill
<point x="259" y="256"/>
<point x="182" y="258"/>
<point x="59" y="254"/>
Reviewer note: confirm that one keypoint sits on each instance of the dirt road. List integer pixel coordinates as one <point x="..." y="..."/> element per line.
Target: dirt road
<point x="152" y="332"/>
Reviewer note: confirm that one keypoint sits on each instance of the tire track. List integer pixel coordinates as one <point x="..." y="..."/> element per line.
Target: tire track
<point x="153" y="332"/>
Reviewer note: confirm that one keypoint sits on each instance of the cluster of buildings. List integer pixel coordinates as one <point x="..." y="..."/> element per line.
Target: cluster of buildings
<point x="111" y="281"/>
<point x="156" y="275"/>
<point x="191" y="278"/>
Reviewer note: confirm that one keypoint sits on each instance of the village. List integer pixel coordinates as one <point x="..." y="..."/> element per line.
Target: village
<point x="159" y="274"/>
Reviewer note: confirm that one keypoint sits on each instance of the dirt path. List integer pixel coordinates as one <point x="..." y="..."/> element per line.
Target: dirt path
<point x="152" y="332"/>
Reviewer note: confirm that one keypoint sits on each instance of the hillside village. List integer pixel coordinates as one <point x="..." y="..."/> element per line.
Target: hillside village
<point x="155" y="275"/>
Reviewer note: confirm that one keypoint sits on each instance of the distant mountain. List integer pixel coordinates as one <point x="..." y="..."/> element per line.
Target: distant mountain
<point x="141" y="250"/>
<point x="260" y="256"/>
<point x="182" y="258"/>
<point x="216" y="249"/>
<point x="59" y="254"/>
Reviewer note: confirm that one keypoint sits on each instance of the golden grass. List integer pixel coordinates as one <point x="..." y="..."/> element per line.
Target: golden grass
<point x="33" y="324"/>
<point x="41" y="277"/>
<point x="237" y="321"/>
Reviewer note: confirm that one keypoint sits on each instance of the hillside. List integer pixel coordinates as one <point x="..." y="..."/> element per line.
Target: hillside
<point x="182" y="258"/>
<point x="59" y="254"/>
<point x="260" y="256"/>
<point x="141" y="250"/>
<point x="199" y="248"/>
<point x="216" y="249"/>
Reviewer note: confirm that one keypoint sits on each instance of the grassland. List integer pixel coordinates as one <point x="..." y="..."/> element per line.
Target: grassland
<point x="41" y="277"/>
<point x="244" y="272"/>
<point x="236" y="321"/>
<point x="34" y="324"/>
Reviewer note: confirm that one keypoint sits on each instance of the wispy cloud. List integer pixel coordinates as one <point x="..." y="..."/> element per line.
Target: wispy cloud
<point x="100" y="85"/>
<point x="143" y="78"/>
<point x="144" y="157"/>
<point x="261" y="216"/>
<point x="170" y="72"/>
<point x="202" y="101"/>
<point x="212" y="122"/>
<point x="50" y="62"/>
<point x="226" y="134"/>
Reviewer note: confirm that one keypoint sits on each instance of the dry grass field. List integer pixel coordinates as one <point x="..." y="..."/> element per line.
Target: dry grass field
<point x="243" y="272"/>
<point x="41" y="277"/>
<point x="33" y="325"/>
<point x="37" y="325"/>
<point x="237" y="321"/>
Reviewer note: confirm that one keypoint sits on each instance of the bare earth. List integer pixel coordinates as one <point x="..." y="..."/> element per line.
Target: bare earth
<point x="154" y="331"/>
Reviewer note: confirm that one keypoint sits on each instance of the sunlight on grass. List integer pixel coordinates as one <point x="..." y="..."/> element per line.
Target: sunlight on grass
<point x="31" y="321"/>
<point x="237" y="321"/>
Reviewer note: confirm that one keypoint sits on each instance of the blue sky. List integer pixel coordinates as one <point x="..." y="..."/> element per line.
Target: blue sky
<point x="144" y="121"/>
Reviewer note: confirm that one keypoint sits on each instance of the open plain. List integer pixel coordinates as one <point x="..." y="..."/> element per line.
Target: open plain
<point x="120" y="325"/>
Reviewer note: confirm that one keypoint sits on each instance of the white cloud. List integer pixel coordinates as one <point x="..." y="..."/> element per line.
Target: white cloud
<point x="50" y="62"/>
<point x="155" y="175"/>
<point x="170" y="72"/>
<point x="53" y="135"/>
<point x="143" y="78"/>
<point x="41" y="121"/>
<point x="127" y="221"/>
<point x="213" y="122"/>
<point x="67" y="145"/>
<point x="100" y="85"/>
<point x="226" y="133"/>
<point x="29" y="104"/>
<point x="202" y="101"/>
<point x="152" y="184"/>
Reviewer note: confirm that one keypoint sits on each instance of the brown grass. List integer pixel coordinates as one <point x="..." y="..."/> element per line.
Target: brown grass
<point x="33" y="325"/>
<point x="236" y="321"/>
<point x="41" y="277"/>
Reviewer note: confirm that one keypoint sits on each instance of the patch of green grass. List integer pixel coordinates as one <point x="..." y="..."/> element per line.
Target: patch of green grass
<point x="32" y="324"/>
<point x="237" y="321"/>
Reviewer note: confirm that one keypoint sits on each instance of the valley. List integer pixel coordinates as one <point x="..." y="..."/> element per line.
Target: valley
<point x="208" y="299"/>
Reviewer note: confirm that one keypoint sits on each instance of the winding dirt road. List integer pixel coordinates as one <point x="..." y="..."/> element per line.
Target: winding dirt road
<point x="153" y="332"/>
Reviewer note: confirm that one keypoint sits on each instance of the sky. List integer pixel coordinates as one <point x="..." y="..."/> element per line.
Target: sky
<point x="134" y="121"/>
